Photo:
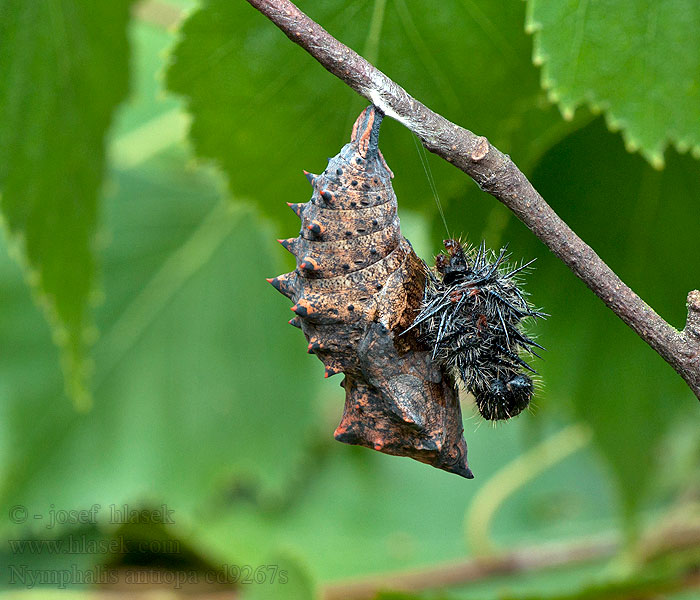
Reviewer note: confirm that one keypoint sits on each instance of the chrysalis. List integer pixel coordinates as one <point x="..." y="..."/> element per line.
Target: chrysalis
<point x="357" y="288"/>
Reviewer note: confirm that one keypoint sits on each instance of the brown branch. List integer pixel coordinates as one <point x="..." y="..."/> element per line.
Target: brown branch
<point x="479" y="569"/>
<point x="496" y="174"/>
<point x="534" y="559"/>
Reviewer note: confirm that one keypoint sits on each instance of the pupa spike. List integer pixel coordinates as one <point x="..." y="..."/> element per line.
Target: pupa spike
<point x="327" y="196"/>
<point x="316" y="228"/>
<point x="309" y="264"/>
<point x="310" y="177"/>
<point x="313" y="347"/>
<point x="288" y="244"/>
<point x="330" y="371"/>
<point x="302" y="308"/>
<point x="296" y="207"/>
<point x="275" y="282"/>
<point x="284" y="284"/>
<point x="295" y="322"/>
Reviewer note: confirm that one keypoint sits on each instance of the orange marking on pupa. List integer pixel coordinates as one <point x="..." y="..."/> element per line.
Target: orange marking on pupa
<point x="309" y="264"/>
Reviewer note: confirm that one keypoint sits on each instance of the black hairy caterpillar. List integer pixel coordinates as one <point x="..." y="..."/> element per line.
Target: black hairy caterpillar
<point x="357" y="287"/>
<point x="471" y="316"/>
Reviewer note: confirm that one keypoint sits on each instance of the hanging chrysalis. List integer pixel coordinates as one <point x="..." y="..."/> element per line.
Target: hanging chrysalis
<point x="402" y="334"/>
<point x="472" y="315"/>
<point x="357" y="288"/>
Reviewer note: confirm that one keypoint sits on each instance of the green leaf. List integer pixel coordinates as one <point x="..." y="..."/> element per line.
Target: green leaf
<point x="362" y="513"/>
<point x="202" y="389"/>
<point x="263" y="109"/>
<point x="283" y="576"/>
<point x="203" y="392"/>
<point x="65" y="70"/>
<point x="638" y="62"/>
<point x="29" y="564"/>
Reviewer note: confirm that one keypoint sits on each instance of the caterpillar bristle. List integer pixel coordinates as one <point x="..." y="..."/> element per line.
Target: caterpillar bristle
<point x="472" y="316"/>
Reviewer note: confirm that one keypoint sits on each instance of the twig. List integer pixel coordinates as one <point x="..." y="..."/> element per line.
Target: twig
<point x="533" y="559"/>
<point x="496" y="174"/>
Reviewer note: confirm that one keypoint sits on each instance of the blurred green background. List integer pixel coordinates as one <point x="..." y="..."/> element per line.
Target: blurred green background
<point x="145" y="362"/>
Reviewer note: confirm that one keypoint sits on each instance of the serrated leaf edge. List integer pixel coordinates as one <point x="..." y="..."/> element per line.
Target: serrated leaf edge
<point x="77" y="368"/>
<point x="655" y="157"/>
